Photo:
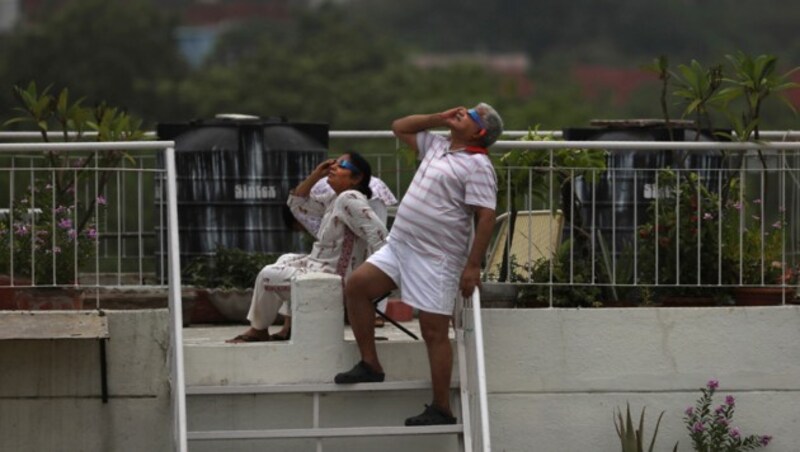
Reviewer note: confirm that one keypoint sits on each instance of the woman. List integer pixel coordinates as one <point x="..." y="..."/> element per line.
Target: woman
<point x="349" y="232"/>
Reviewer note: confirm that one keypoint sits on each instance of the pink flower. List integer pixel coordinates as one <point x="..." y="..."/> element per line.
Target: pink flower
<point x="72" y="234"/>
<point x="713" y="384"/>
<point x="21" y="230"/>
<point x="689" y="411"/>
<point x="101" y="200"/>
<point x="764" y="440"/>
<point x="708" y="216"/>
<point x="729" y="400"/>
<point x="65" y="223"/>
<point x="777" y="224"/>
<point x="735" y="433"/>
<point x="91" y="233"/>
<point x="737" y="205"/>
<point x="698" y="427"/>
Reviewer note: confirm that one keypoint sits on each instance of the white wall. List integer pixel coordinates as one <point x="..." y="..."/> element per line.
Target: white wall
<point x="554" y="379"/>
<point x="555" y="376"/>
<point x="50" y="390"/>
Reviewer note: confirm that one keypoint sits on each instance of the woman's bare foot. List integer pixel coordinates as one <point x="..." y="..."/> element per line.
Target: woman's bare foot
<point x="251" y="335"/>
<point x="285" y="333"/>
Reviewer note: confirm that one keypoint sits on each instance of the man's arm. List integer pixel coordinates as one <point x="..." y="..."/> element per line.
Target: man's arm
<point x="406" y="129"/>
<point x="471" y="276"/>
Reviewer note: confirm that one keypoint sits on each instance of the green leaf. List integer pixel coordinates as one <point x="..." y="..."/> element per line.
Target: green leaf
<point x="15" y="120"/>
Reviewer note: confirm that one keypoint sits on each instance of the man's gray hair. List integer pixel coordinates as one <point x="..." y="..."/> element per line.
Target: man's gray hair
<point x="492" y="121"/>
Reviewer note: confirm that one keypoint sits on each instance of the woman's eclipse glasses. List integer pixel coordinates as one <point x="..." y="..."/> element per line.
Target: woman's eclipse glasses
<point x="348" y="166"/>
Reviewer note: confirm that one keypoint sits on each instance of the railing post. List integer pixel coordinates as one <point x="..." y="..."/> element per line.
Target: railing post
<point x="176" y="315"/>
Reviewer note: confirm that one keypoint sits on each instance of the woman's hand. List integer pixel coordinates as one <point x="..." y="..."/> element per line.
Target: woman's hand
<point x="322" y="169"/>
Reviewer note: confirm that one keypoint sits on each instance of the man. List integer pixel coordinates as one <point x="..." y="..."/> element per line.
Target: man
<point x="428" y="254"/>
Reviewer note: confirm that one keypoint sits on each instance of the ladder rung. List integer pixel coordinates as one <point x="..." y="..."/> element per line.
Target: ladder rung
<point x="325" y="432"/>
<point x="310" y="388"/>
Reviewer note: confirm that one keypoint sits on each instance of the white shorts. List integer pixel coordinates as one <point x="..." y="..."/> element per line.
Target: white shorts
<point x="427" y="282"/>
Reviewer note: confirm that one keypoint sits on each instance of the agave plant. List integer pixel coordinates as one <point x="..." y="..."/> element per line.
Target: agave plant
<point x="632" y="440"/>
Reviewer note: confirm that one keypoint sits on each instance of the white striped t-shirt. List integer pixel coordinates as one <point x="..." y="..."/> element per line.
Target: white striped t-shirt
<point x="435" y="216"/>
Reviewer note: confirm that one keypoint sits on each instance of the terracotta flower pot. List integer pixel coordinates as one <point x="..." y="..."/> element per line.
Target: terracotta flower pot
<point x="688" y="302"/>
<point x="233" y="304"/>
<point x="48" y="298"/>
<point x="763" y="296"/>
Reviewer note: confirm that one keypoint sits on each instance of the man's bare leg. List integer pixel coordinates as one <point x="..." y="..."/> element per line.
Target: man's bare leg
<point x="435" y="330"/>
<point x="365" y="284"/>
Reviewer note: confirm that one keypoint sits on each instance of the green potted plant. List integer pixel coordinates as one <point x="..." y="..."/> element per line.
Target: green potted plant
<point x="678" y="247"/>
<point x="755" y="252"/>
<point x="50" y="232"/>
<point x="566" y="278"/>
<point x="708" y="94"/>
<point x="227" y="278"/>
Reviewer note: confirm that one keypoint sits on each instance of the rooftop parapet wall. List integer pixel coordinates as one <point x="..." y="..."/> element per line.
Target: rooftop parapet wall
<point x="555" y="375"/>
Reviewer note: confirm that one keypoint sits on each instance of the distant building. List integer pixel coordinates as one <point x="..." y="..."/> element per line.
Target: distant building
<point x="512" y="65"/>
<point x="202" y="21"/>
<point x="618" y="83"/>
<point x="9" y="15"/>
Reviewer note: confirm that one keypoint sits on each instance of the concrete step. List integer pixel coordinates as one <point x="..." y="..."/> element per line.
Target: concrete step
<point x="349" y="432"/>
<point x="302" y="416"/>
<point x="310" y="388"/>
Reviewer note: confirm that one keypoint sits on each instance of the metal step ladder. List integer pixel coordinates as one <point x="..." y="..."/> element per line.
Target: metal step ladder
<point x="315" y="430"/>
<point x="470" y="406"/>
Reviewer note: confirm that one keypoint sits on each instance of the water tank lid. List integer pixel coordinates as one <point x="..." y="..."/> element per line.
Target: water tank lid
<point x="236" y="117"/>
<point x="647" y="122"/>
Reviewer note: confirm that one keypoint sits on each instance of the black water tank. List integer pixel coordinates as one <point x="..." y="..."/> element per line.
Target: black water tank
<point x="233" y="179"/>
<point x="627" y="186"/>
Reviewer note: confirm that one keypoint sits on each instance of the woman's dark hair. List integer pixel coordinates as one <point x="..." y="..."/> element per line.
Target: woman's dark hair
<point x="364" y="169"/>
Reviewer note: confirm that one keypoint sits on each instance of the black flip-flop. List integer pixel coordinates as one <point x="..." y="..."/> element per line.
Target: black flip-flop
<point x="360" y="373"/>
<point x="431" y="416"/>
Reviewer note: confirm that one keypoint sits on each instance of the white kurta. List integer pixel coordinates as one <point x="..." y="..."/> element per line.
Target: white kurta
<point x="349" y="232"/>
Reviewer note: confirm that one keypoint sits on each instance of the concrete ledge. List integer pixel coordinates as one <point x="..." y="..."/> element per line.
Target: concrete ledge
<point x="53" y="325"/>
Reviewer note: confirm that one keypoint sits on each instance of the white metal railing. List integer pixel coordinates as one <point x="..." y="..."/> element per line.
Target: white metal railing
<point x="738" y="235"/>
<point x="472" y="373"/>
<point x="73" y="180"/>
<point x="397" y="169"/>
